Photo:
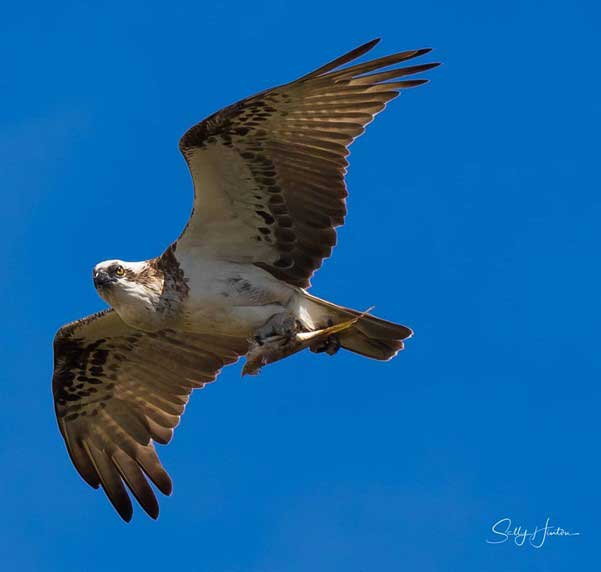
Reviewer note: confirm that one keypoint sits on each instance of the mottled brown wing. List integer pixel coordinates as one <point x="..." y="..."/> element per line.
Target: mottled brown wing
<point x="269" y="170"/>
<point x="117" y="390"/>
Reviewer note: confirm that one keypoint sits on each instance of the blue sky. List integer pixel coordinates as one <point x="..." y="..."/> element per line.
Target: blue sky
<point x="474" y="214"/>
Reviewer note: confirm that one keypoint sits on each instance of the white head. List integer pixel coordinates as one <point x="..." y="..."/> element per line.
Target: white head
<point x="133" y="289"/>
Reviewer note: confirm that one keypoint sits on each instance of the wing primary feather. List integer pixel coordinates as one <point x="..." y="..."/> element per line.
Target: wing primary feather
<point x="341" y="60"/>
<point x="150" y="464"/>
<point x="137" y="484"/>
<point x="111" y="482"/>
<point x="392" y="74"/>
<point x="411" y="83"/>
<point x="383" y="62"/>
<point x="81" y="459"/>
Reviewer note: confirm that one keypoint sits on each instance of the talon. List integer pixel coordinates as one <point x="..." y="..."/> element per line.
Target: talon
<point x="330" y="345"/>
<point x="333" y="344"/>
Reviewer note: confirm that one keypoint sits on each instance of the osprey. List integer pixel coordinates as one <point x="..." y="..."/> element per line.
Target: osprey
<point x="268" y="175"/>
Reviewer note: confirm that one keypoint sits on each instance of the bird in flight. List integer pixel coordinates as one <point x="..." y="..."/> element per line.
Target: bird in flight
<point x="269" y="186"/>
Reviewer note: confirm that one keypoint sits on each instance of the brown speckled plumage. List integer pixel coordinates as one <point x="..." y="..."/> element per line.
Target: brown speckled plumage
<point x="294" y="140"/>
<point x="116" y="390"/>
<point x="168" y="267"/>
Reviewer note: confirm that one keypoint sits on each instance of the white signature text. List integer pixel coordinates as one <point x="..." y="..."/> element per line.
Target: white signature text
<point x="504" y="531"/>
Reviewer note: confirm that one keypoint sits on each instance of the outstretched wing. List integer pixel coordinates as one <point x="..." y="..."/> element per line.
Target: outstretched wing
<point x="117" y="390"/>
<point x="269" y="170"/>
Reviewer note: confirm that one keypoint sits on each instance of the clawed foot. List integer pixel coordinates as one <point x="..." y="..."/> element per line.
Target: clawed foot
<point x="329" y="345"/>
<point x="278" y="330"/>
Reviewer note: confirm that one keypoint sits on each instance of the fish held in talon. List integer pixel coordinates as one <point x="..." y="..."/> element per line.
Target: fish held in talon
<point x="281" y="346"/>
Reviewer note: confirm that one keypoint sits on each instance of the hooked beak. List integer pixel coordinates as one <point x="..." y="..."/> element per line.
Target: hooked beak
<point x="102" y="279"/>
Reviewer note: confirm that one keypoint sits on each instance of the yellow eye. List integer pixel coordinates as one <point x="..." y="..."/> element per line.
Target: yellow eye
<point x="119" y="271"/>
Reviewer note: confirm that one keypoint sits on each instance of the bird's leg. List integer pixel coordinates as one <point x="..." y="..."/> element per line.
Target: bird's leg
<point x="329" y="345"/>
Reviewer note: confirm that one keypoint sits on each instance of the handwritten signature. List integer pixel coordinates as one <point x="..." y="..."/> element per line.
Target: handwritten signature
<point x="504" y="531"/>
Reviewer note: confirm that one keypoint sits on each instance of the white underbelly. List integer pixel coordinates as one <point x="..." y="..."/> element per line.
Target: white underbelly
<point x="231" y="299"/>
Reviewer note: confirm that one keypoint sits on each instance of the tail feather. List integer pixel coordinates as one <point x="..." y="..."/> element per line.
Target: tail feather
<point x="371" y="336"/>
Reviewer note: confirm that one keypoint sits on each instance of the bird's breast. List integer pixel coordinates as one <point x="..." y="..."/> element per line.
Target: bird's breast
<point x="232" y="299"/>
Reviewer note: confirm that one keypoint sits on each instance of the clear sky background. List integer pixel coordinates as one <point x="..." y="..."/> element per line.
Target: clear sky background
<point x="474" y="218"/>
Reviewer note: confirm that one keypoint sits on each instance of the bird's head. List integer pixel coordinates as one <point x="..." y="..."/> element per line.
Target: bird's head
<point x="127" y="285"/>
